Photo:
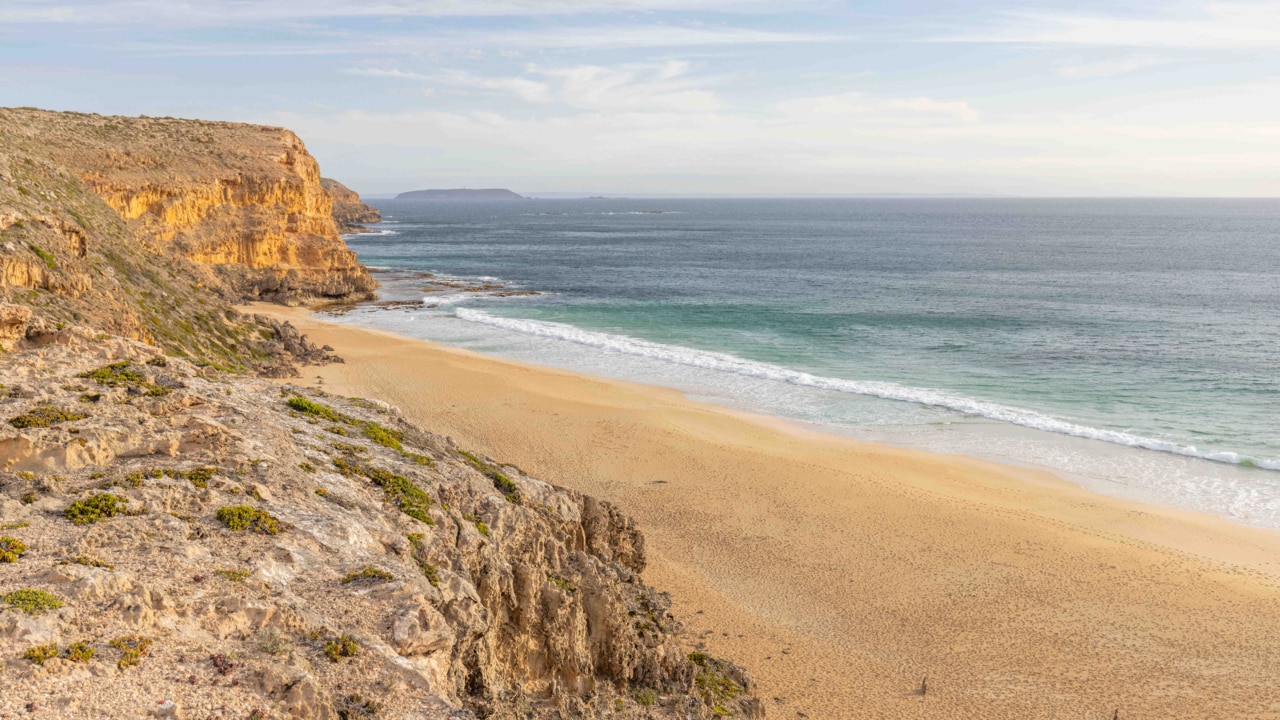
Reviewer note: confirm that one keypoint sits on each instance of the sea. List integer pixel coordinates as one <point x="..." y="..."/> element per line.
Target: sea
<point x="1131" y="346"/>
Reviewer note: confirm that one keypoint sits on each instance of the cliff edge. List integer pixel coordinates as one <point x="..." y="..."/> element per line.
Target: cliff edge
<point x="349" y="211"/>
<point x="244" y="199"/>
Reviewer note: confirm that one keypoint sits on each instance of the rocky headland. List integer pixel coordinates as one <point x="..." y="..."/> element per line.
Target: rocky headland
<point x="349" y="211"/>
<point x="179" y="538"/>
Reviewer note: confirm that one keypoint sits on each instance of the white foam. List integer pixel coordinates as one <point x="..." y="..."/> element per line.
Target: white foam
<point x="723" y="362"/>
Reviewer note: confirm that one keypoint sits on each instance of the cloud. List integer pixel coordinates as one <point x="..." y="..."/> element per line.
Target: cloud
<point x="1108" y="68"/>
<point x="392" y="73"/>
<point x="1215" y="25"/>
<point x="208" y="13"/>
<point x="508" y="42"/>
<point x="857" y="106"/>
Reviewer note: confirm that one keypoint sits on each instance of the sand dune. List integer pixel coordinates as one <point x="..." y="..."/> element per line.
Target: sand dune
<point x="842" y="573"/>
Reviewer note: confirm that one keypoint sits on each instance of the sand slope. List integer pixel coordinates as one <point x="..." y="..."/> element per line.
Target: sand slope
<point x="842" y="573"/>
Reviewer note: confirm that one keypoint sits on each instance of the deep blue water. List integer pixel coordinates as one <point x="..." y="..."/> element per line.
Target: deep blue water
<point x="1145" y="323"/>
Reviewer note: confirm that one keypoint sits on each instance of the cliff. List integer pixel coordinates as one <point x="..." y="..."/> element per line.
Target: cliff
<point x="244" y="199"/>
<point x="461" y="194"/>
<point x="349" y="212"/>
<point x="179" y="543"/>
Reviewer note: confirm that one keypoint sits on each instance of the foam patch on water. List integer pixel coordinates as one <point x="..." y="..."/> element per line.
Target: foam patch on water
<point x="726" y="363"/>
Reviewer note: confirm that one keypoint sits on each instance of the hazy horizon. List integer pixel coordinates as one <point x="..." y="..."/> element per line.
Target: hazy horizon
<point x="696" y="98"/>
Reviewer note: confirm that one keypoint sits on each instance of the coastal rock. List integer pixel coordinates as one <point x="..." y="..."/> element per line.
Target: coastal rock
<point x="349" y="212"/>
<point x="286" y="550"/>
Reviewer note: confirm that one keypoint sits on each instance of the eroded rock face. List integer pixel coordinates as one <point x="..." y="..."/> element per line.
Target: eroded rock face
<point x="391" y="569"/>
<point x="222" y="194"/>
<point x="349" y="212"/>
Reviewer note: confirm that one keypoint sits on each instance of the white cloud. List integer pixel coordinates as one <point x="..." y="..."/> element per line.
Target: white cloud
<point x="1215" y="25"/>
<point x="1108" y="68"/>
<point x="855" y="106"/>
<point x="237" y="12"/>
<point x="391" y="73"/>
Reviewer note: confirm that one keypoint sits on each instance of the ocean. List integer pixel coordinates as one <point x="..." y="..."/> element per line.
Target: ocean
<point x="1131" y="346"/>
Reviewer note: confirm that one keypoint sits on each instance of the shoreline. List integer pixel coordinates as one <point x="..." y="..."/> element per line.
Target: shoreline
<point x="1019" y="593"/>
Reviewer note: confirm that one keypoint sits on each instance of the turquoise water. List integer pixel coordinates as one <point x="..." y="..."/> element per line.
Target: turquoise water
<point x="1133" y="345"/>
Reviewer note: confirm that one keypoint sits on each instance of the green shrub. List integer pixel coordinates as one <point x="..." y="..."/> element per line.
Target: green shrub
<point x="310" y="407"/>
<point x="11" y="549"/>
<point x="419" y="553"/>
<point x="200" y="477"/>
<point x="646" y="696"/>
<point x="242" y="517"/>
<point x="48" y="258"/>
<point x="369" y="573"/>
<point x="132" y="649"/>
<point x="384" y="436"/>
<point x="39" y="653"/>
<point x="96" y="508"/>
<point x="233" y="575"/>
<point x="121" y="374"/>
<point x="397" y="489"/>
<point x="79" y="652"/>
<point x="344" y="646"/>
<point x="88" y="562"/>
<point x="33" y="602"/>
<point x="43" y="417"/>
<point x="501" y="482"/>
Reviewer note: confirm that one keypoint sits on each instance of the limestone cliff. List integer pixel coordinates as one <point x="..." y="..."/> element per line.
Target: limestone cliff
<point x="349" y="211"/>
<point x="181" y="543"/>
<point x="245" y="199"/>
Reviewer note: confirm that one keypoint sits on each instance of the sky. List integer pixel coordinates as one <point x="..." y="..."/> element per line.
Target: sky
<point x="698" y="97"/>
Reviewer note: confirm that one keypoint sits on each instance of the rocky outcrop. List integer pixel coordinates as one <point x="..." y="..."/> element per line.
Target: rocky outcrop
<point x="246" y="199"/>
<point x="349" y="211"/>
<point x="195" y="544"/>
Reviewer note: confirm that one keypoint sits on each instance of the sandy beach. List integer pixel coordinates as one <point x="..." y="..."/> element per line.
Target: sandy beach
<point x="841" y="573"/>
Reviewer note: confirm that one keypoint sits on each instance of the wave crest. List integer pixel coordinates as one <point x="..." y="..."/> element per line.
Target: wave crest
<point x="724" y="362"/>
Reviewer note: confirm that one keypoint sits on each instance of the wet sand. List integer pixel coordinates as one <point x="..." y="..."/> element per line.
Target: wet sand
<point x="842" y="573"/>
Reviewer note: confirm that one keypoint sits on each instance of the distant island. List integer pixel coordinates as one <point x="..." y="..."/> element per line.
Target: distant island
<point x="461" y="194"/>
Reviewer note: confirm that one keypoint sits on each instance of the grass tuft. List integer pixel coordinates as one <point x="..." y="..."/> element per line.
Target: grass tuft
<point x="370" y="573"/>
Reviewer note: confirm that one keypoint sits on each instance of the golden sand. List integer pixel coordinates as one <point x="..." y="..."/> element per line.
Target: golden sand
<point x="842" y="573"/>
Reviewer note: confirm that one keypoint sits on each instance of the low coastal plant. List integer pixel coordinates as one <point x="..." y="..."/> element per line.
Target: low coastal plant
<point x="713" y="683"/>
<point x="646" y="696"/>
<point x="233" y="575"/>
<point x="311" y="407"/>
<point x="484" y="529"/>
<point x="33" y="602"/>
<point x="369" y="573"/>
<point x="79" y="652"/>
<point x="96" y="508"/>
<point x="501" y="482"/>
<point x="397" y="489"/>
<point x="43" y="417"/>
<point x="87" y="562"/>
<point x="11" y="549"/>
<point x="271" y="642"/>
<point x="243" y="517"/>
<point x="121" y="374"/>
<point x="356" y="707"/>
<point x="419" y="552"/>
<point x="15" y="525"/>
<point x="343" y="647"/>
<point x="37" y="654"/>
<point x="562" y="583"/>
<point x="132" y="649"/>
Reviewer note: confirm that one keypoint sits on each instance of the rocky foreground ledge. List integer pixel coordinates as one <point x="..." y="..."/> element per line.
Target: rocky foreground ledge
<point x="180" y="542"/>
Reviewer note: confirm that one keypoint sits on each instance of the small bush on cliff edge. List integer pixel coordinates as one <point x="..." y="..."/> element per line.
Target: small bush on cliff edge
<point x="242" y="517"/>
<point x="33" y="602"/>
<point x="43" y="417"/>
<point x="96" y="508"/>
<point x="11" y="549"/>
